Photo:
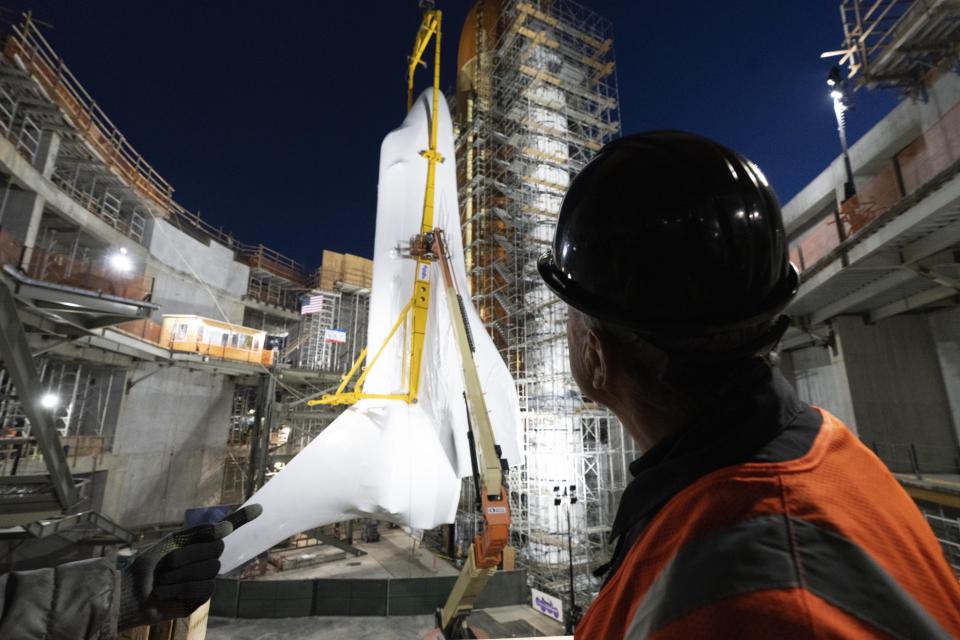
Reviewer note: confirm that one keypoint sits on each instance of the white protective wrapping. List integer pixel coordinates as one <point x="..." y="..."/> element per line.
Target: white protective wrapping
<point x="387" y="459"/>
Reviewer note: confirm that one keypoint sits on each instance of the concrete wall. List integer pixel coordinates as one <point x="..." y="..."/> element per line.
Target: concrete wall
<point x="897" y="129"/>
<point x="897" y="387"/>
<point x="194" y="277"/>
<point x="945" y="326"/>
<point x="169" y="449"/>
<point x="820" y="377"/>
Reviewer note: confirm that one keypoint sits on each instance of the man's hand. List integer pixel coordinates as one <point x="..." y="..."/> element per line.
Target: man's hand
<point x="176" y="575"/>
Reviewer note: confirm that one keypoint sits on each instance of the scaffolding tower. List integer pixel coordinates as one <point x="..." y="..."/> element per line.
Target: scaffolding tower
<point x="898" y="43"/>
<point x="542" y="100"/>
<point x="343" y="311"/>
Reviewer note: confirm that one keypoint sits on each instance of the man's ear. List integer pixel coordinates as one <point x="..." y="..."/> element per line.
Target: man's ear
<point x="596" y="357"/>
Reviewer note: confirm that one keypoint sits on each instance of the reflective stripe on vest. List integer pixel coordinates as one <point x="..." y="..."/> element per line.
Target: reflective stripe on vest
<point x="778" y="552"/>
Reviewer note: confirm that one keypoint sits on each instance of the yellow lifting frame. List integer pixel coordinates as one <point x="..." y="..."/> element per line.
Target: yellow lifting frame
<point x="419" y="303"/>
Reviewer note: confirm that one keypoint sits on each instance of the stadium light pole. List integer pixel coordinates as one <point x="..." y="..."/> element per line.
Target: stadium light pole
<point x="841" y="104"/>
<point x="570" y="497"/>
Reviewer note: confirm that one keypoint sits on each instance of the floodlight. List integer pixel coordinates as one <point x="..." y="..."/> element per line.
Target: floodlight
<point x="49" y="400"/>
<point x="120" y="261"/>
<point x="833" y="78"/>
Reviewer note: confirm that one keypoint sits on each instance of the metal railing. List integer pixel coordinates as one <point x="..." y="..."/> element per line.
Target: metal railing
<point x="27" y="46"/>
<point x="274" y="294"/>
<point x="21" y="454"/>
<point x="261" y="257"/>
<point x="105" y="206"/>
<point x="92" y="271"/>
<point x="945" y="523"/>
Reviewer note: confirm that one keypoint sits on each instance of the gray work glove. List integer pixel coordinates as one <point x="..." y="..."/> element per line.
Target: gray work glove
<point x="173" y="577"/>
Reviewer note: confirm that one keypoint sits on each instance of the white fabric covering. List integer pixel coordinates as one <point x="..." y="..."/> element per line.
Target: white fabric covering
<point x="387" y="459"/>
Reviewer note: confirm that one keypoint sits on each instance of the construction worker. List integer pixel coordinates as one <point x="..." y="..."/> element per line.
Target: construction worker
<point x="92" y="600"/>
<point x="751" y="514"/>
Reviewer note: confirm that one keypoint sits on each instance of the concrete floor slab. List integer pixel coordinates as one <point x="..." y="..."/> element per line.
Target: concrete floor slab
<point x="357" y="628"/>
<point x="393" y="556"/>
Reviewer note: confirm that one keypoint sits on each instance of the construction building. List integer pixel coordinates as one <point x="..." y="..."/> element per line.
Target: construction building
<point x="151" y="331"/>
<point x="154" y="366"/>
<point x="876" y="318"/>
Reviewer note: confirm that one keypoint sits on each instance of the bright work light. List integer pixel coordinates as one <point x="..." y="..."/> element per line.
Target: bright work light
<point x="120" y="261"/>
<point x="49" y="400"/>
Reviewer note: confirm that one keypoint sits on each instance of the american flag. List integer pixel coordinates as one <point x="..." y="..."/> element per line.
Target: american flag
<point x="311" y="304"/>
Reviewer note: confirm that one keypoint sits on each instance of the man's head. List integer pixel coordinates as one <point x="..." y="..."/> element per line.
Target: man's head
<point x="671" y="253"/>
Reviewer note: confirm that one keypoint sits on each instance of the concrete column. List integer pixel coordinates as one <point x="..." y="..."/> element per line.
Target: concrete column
<point x="20" y="217"/>
<point x="46" y="157"/>
<point x="946" y="336"/>
<point x="897" y="388"/>
<point x="819" y="375"/>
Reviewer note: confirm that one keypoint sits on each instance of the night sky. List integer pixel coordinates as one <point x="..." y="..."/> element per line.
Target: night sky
<point x="268" y="117"/>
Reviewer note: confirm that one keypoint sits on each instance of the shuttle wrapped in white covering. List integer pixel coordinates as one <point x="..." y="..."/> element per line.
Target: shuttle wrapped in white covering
<point x="388" y="459"/>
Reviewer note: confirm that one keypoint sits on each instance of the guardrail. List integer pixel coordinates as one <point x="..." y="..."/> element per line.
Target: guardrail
<point x="261" y="257"/>
<point x="28" y="46"/>
<point x="19" y="451"/>
<point x="93" y="272"/>
<point x="903" y="179"/>
<point x="274" y="294"/>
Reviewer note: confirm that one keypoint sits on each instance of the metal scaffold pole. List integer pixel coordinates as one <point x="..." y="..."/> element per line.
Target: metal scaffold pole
<point x="18" y="362"/>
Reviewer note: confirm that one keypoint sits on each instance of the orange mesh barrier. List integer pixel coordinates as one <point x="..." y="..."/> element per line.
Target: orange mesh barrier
<point x="85" y="274"/>
<point x="816" y="243"/>
<point x="935" y="150"/>
<point x="10" y="249"/>
<point x="874" y="198"/>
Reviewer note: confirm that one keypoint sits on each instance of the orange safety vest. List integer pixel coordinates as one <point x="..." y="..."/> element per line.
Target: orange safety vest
<point x="827" y="545"/>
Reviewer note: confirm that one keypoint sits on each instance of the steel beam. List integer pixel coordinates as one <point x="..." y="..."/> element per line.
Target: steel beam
<point x="939" y="240"/>
<point x="911" y="303"/>
<point x="260" y="436"/>
<point x="861" y="295"/>
<point x="334" y="541"/>
<point x="18" y="362"/>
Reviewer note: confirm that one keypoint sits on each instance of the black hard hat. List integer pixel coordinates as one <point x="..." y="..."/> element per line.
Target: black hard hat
<point x="670" y="233"/>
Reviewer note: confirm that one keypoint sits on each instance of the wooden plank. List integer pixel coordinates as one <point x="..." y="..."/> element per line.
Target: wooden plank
<point x="197" y="623"/>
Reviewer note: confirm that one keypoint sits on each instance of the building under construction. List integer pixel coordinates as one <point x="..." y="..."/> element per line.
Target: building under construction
<point x="536" y="99"/>
<point x="156" y="369"/>
<point x="154" y="336"/>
